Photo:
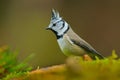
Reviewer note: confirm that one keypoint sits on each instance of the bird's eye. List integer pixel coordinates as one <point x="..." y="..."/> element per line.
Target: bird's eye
<point x="54" y="24"/>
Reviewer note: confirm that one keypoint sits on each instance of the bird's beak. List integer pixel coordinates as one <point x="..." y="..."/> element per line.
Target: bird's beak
<point x="47" y="28"/>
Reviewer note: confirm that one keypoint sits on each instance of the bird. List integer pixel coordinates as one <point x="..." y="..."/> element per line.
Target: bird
<point x="69" y="42"/>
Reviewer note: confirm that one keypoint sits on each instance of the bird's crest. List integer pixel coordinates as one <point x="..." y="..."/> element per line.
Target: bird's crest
<point x="55" y="14"/>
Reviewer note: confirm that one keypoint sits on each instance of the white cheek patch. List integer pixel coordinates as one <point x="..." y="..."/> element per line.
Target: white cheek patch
<point x="61" y="31"/>
<point x="55" y="29"/>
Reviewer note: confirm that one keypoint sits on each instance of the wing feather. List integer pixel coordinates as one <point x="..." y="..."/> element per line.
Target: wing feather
<point x="92" y="52"/>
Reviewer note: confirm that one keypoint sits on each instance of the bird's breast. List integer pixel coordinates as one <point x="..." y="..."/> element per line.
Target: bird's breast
<point x="69" y="48"/>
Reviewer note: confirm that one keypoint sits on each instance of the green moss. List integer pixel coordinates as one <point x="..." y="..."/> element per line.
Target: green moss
<point x="106" y="69"/>
<point x="9" y="65"/>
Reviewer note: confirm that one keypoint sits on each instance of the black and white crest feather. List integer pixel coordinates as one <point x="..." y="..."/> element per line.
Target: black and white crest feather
<point x="55" y="14"/>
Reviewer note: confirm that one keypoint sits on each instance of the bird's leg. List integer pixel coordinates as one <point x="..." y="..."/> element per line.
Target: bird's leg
<point x="87" y="57"/>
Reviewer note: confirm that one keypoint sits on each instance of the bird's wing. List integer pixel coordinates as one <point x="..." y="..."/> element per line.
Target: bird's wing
<point x="92" y="52"/>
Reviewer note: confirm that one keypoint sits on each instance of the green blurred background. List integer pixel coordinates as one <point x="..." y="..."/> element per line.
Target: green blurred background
<point x="23" y="23"/>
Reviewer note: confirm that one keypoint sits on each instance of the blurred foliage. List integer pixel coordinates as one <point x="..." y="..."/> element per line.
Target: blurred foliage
<point x="9" y="65"/>
<point x="76" y="68"/>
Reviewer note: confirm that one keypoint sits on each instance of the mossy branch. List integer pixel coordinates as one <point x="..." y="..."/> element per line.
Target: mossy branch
<point x="75" y="68"/>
